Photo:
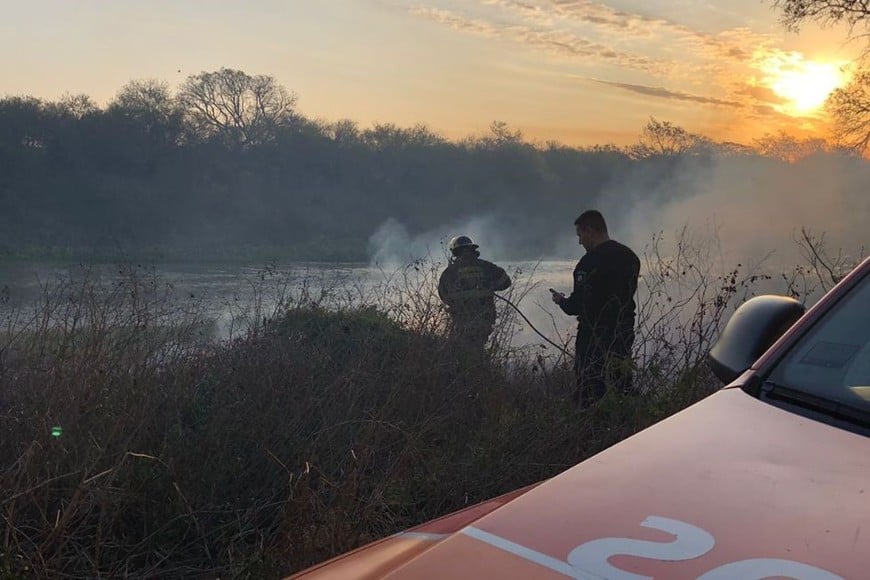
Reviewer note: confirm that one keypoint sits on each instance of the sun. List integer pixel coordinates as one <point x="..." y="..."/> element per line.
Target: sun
<point x="803" y="85"/>
<point x="808" y="86"/>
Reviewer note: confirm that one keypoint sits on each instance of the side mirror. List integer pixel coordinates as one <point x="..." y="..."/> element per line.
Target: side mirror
<point x="750" y="331"/>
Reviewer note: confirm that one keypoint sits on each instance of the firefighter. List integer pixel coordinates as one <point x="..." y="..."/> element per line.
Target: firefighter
<point x="466" y="286"/>
<point x="605" y="281"/>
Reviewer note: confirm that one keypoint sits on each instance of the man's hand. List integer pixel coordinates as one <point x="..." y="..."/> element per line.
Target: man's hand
<point x="556" y="296"/>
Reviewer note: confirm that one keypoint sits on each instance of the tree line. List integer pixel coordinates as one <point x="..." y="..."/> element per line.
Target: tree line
<point x="228" y="166"/>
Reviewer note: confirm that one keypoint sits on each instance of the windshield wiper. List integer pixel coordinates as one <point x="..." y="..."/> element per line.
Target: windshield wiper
<point x="833" y="409"/>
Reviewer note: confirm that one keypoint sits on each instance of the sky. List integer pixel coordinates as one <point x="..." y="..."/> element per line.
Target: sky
<point x="581" y="72"/>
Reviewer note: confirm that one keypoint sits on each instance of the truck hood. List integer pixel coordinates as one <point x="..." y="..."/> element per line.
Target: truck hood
<point x="730" y="487"/>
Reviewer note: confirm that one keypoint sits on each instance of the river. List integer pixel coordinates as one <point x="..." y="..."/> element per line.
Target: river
<point x="230" y="296"/>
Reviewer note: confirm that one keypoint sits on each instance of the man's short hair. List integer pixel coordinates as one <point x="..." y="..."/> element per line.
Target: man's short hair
<point x="593" y="220"/>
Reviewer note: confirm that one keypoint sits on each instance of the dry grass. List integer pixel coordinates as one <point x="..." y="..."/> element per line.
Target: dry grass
<point x="328" y="422"/>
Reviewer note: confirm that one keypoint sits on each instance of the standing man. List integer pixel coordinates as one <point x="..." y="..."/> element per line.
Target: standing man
<point x="466" y="286"/>
<point x="605" y="281"/>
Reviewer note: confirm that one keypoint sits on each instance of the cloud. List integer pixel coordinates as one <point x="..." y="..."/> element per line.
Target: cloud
<point x="664" y="93"/>
<point x="454" y="21"/>
<point x="726" y="45"/>
<point x="601" y="14"/>
<point x="579" y="11"/>
<point x="554" y="42"/>
<point x="646" y="54"/>
<point x="764" y="95"/>
<point x="593" y="33"/>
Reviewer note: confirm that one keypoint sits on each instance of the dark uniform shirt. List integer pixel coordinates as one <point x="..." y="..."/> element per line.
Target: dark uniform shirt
<point x="605" y="281"/>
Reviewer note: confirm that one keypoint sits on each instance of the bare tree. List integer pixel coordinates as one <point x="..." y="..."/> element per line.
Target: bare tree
<point x="144" y="98"/>
<point x="150" y="104"/>
<point x="502" y="134"/>
<point x="828" y="268"/>
<point x="76" y="106"/>
<point x="823" y="12"/>
<point x="344" y="131"/>
<point x="240" y="109"/>
<point x="850" y="108"/>
<point x="663" y="138"/>
<point x="389" y="136"/>
<point x="790" y="148"/>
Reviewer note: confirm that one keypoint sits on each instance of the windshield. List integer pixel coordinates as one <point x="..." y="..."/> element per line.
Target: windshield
<point x="832" y="360"/>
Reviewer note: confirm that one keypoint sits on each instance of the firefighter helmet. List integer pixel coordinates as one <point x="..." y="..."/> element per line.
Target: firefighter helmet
<point x="460" y="242"/>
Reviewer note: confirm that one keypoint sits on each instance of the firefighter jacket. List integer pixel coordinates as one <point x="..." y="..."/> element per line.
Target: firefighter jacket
<point x="467" y="287"/>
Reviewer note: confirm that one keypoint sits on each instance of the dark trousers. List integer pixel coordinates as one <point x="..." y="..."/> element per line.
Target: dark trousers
<point x="602" y="363"/>
<point x="471" y="332"/>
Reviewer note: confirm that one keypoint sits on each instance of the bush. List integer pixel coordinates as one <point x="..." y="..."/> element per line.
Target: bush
<point x="131" y="445"/>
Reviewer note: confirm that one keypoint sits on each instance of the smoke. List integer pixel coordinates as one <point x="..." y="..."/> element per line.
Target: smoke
<point x="753" y="208"/>
<point x="736" y="210"/>
<point x="392" y="246"/>
<point x="750" y="209"/>
<point x="747" y="210"/>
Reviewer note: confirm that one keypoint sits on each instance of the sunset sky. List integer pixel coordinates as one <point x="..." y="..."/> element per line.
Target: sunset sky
<point x="577" y="71"/>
